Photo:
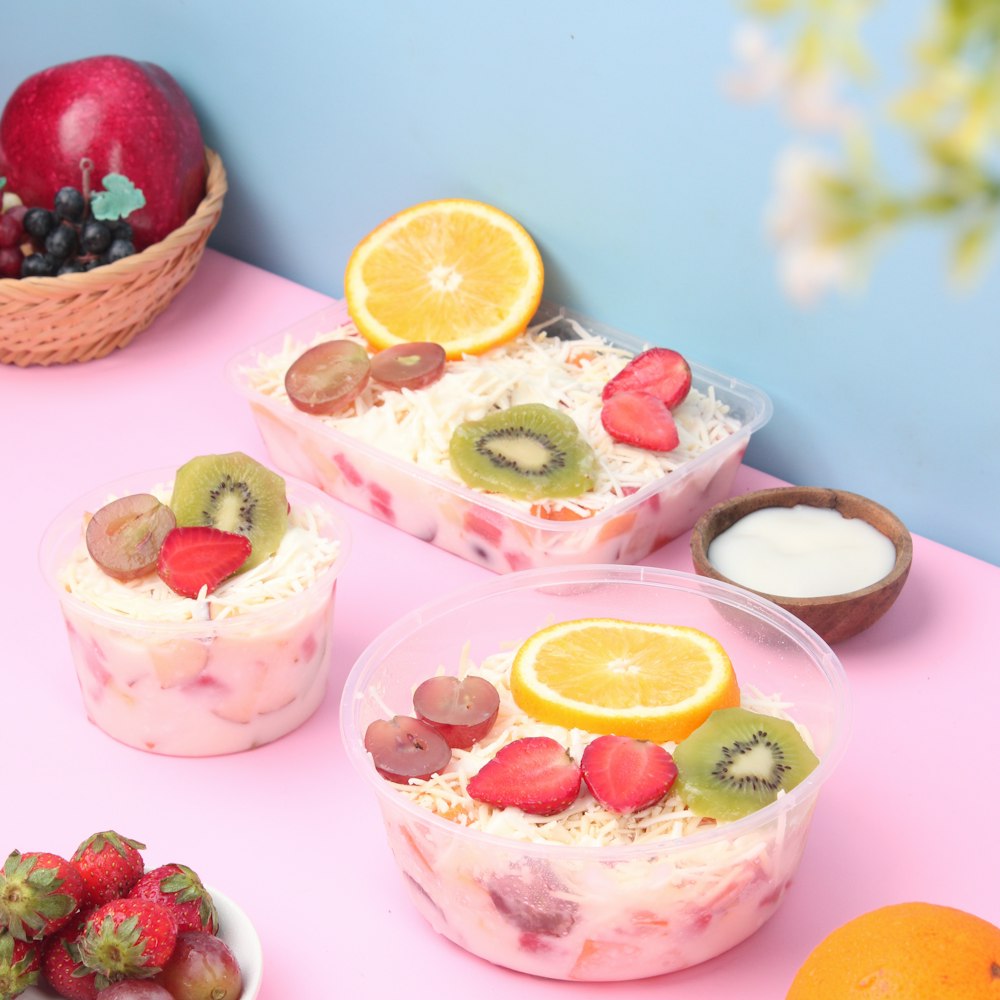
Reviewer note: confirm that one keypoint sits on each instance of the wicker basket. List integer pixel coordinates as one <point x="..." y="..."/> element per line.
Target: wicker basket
<point x="79" y="317"/>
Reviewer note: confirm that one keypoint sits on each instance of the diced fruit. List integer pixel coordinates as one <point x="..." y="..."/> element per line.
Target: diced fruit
<point x="605" y="675"/>
<point x="409" y="366"/>
<point x="19" y="965"/>
<point x="528" y="451"/>
<point x="128" y="937"/>
<point x="461" y="710"/>
<point x="403" y="748"/>
<point x="192" y="558"/>
<point x="61" y="965"/>
<point x="535" y="774"/>
<point x="180" y="889"/>
<point x="139" y="989"/>
<point x="660" y="371"/>
<point x="109" y="864"/>
<point x="625" y="774"/>
<point x="532" y="899"/>
<point x="202" y="966"/>
<point x="328" y="377"/>
<point x="125" y="535"/>
<point x="39" y="892"/>
<point x="457" y="272"/>
<point x="639" y="418"/>
<point x="233" y="492"/>
<point x="737" y="761"/>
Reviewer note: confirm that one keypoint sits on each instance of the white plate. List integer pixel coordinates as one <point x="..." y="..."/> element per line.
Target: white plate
<point x="235" y="929"/>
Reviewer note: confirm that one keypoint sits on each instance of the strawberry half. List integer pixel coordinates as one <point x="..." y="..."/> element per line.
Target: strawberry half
<point x="195" y="557"/>
<point x="641" y="419"/>
<point x="660" y="371"/>
<point x="535" y="774"/>
<point x="110" y="865"/>
<point x="625" y="774"/>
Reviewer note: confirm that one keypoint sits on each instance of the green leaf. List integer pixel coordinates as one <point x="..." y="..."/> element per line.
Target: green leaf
<point x="119" y="197"/>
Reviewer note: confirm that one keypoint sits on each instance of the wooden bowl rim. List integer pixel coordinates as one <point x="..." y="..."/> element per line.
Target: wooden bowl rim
<point x="725" y="514"/>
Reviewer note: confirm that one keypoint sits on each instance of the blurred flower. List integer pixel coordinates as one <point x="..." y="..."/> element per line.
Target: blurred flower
<point x="802" y="221"/>
<point x="808" y="94"/>
<point x="825" y="217"/>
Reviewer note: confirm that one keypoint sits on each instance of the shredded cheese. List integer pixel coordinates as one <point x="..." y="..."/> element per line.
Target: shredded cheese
<point x="585" y="823"/>
<point x="303" y="555"/>
<point x="416" y="425"/>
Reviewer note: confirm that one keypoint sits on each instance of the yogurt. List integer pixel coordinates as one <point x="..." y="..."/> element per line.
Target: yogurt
<point x="802" y="551"/>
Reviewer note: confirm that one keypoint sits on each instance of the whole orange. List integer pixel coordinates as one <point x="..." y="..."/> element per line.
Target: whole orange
<point x="907" y="951"/>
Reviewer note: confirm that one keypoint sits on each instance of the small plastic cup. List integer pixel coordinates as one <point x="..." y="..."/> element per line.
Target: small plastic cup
<point x="198" y="688"/>
<point x="583" y="912"/>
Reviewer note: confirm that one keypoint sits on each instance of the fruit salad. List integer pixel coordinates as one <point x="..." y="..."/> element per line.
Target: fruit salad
<point x="198" y="604"/>
<point x="595" y="798"/>
<point x="551" y="448"/>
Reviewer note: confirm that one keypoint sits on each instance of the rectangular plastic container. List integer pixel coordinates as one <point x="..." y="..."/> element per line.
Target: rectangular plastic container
<point x="484" y="528"/>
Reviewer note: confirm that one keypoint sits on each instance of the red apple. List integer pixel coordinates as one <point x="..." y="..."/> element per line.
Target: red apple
<point x="128" y="117"/>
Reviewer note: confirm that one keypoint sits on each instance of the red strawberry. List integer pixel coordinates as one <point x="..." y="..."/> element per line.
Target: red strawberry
<point x="196" y="557"/>
<point x="180" y="889"/>
<point x="19" y="964"/>
<point x="128" y="938"/>
<point x="39" y="892"/>
<point x="660" y="371"/>
<point x="110" y="865"/>
<point x="625" y="774"/>
<point x="61" y="964"/>
<point x="641" y="419"/>
<point x="535" y="774"/>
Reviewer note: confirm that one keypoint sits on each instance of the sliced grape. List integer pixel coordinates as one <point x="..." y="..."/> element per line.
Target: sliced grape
<point x="124" y="536"/>
<point x="409" y="366"/>
<point x="327" y="377"/>
<point x="201" y="966"/>
<point x="462" y="711"/>
<point x="403" y="748"/>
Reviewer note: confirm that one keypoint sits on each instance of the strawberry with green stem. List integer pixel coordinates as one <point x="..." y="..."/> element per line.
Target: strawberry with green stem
<point x="181" y="890"/>
<point x="110" y="865"/>
<point x="39" y="892"/>
<point x="127" y="938"/>
<point x="61" y="965"/>
<point x="19" y="964"/>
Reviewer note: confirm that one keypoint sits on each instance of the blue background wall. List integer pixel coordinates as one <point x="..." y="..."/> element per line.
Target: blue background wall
<point x="604" y="128"/>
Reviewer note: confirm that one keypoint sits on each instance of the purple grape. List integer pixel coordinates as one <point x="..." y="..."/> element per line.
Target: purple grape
<point x="69" y="204"/>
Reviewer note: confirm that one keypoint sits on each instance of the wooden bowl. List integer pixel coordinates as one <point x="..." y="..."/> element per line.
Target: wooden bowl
<point x="835" y="617"/>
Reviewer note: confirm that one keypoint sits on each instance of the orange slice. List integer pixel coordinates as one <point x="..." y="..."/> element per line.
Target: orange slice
<point x="603" y="675"/>
<point x="457" y="272"/>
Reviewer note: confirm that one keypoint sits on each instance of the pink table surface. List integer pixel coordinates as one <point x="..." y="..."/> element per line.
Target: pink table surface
<point x="288" y="831"/>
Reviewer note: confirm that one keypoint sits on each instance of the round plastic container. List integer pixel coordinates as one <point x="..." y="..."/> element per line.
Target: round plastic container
<point x="202" y="687"/>
<point x="599" y="913"/>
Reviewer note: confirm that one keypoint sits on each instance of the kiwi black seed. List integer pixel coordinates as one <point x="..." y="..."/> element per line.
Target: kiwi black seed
<point x="737" y="761"/>
<point x="530" y="451"/>
<point x="235" y="493"/>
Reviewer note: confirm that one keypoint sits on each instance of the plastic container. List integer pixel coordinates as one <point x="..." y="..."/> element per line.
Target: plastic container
<point x="485" y="528"/>
<point x="599" y="913"/>
<point x="199" y="687"/>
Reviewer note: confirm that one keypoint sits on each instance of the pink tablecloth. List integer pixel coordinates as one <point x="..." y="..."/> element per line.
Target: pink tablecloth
<point x="287" y="830"/>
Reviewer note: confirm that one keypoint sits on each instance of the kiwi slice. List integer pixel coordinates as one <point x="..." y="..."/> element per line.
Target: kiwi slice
<point x="737" y="761"/>
<point x="528" y="451"/>
<point x="233" y="493"/>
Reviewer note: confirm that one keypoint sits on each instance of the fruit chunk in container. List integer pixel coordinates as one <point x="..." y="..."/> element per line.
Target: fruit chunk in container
<point x="583" y="909"/>
<point x="202" y="677"/>
<point x="499" y="532"/>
